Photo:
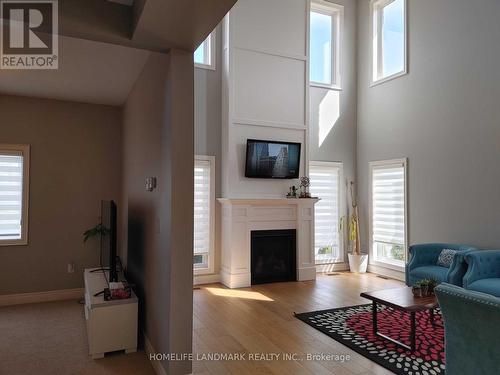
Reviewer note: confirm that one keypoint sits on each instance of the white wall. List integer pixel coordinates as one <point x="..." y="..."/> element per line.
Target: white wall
<point x="264" y="87"/>
<point x="444" y="116"/>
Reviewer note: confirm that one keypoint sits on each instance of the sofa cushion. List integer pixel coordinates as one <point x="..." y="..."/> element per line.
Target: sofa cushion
<point x="488" y="286"/>
<point x="430" y="272"/>
<point x="446" y="257"/>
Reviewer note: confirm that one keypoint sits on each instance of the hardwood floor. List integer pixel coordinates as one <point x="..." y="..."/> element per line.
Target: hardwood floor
<point x="260" y="320"/>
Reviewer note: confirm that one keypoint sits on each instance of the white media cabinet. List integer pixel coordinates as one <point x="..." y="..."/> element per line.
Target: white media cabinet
<point x="111" y="325"/>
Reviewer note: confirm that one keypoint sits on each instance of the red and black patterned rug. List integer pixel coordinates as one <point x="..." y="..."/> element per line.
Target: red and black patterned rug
<point x="352" y="326"/>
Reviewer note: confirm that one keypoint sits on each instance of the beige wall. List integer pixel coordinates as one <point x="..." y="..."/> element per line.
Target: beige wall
<point x="75" y="163"/>
<point x="158" y="224"/>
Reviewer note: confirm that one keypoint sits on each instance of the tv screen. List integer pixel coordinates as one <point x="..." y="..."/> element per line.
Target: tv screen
<point x="272" y="159"/>
<point x="108" y="238"/>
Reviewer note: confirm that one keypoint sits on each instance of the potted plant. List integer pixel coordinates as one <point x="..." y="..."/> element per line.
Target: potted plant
<point x="425" y="285"/>
<point x="358" y="262"/>
<point x="98" y="230"/>
<point x="416" y="290"/>
<point x="432" y="284"/>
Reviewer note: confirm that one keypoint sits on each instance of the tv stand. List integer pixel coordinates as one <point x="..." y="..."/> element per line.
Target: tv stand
<point x="111" y="325"/>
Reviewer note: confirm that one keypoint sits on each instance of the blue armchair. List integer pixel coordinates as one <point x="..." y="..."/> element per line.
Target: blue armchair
<point x="471" y="321"/>
<point x="423" y="263"/>
<point x="483" y="273"/>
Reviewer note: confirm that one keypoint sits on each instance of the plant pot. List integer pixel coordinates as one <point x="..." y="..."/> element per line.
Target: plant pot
<point x="425" y="290"/>
<point x="417" y="291"/>
<point x="358" y="263"/>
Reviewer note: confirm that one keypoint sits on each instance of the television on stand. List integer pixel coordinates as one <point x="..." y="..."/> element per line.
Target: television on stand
<point x="108" y="239"/>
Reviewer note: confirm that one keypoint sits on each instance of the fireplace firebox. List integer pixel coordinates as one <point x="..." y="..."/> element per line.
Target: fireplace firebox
<point x="273" y="256"/>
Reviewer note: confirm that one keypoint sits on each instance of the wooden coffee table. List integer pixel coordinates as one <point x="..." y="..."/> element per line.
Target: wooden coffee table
<point x="401" y="299"/>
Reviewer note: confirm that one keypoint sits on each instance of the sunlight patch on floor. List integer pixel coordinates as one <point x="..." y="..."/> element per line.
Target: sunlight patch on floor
<point x="234" y="293"/>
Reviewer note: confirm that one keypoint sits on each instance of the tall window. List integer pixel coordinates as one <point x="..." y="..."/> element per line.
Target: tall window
<point x="388" y="212"/>
<point x="204" y="56"/>
<point x="14" y="193"/>
<point x="204" y="214"/>
<point x="389" y="39"/>
<point x="326" y="183"/>
<point x="325" y="41"/>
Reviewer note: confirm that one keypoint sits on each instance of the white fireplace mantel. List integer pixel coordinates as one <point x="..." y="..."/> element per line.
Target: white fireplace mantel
<point x="242" y="216"/>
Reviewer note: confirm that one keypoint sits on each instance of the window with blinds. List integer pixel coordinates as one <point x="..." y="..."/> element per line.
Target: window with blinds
<point x="388" y="212"/>
<point x="326" y="184"/>
<point x="204" y="201"/>
<point x="13" y="202"/>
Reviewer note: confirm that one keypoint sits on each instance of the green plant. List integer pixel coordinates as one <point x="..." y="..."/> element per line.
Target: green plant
<point x="98" y="230"/>
<point x="326" y="250"/>
<point x="398" y="252"/>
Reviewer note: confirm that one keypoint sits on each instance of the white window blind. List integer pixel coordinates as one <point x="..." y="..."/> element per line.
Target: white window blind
<point x="325" y="184"/>
<point x="11" y="196"/>
<point x="203" y="207"/>
<point x="388" y="212"/>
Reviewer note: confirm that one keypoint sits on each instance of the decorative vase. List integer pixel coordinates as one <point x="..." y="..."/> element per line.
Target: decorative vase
<point x="358" y="263"/>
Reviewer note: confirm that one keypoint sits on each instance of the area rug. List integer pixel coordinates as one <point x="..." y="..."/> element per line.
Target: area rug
<point x="352" y="326"/>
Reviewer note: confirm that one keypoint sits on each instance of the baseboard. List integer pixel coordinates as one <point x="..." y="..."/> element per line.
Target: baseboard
<point x="149" y="349"/>
<point x="393" y="274"/>
<point x="335" y="267"/>
<point x="38" y="297"/>
<point x="206" y="279"/>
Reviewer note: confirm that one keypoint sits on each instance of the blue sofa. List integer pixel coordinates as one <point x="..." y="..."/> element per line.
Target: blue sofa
<point x="423" y="259"/>
<point x="483" y="273"/>
<point x="472" y="329"/>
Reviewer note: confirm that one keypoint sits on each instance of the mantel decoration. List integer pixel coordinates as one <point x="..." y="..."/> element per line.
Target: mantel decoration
<point x="292" y="193"/>
<point x="358" y="262"/>
<point x="305" y="182"/>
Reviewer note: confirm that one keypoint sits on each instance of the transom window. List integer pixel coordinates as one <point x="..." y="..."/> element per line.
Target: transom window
<point x="14" y="193"/>
<point x="325" y="43"/>
<point x="326" y="184"/>
<point x="204" y="56"/>
<point x="204" y="214"/>
<point x="388" y="212"/>
<point x="389" y="39"/>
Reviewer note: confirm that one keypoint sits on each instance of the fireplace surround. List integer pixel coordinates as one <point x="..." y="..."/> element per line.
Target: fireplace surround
<point x="240" y="217"/>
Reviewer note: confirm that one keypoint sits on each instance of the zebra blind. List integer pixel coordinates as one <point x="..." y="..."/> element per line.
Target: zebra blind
<point x="11" y="196"/>
<point x="202" y="213"/>
<point x="388" y="204"/>
<point x="325" y="184"/>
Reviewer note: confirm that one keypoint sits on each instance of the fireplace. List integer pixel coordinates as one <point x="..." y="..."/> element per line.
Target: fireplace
<point x="273" y="256"/>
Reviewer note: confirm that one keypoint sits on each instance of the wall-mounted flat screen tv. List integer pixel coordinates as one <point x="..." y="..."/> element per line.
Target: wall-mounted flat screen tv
<point x="272" y="159"/>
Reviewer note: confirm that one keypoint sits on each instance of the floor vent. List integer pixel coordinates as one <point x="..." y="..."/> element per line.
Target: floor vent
<point x="383" y="277"/>
<point x="196" y="288"/>
<point x="333" y="274"/>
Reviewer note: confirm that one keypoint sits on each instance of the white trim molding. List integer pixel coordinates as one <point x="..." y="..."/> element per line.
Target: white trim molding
<point x="39" y="297"/>
<point x="150" y="350"/>
<point x="376" y="19"/>
<point x="206" y="279"/>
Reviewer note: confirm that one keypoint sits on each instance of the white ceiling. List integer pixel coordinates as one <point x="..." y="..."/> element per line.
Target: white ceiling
<point x="89" y="71"/>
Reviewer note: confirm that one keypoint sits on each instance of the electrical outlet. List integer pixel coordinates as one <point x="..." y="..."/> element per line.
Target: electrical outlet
<point x="71" y="267"/>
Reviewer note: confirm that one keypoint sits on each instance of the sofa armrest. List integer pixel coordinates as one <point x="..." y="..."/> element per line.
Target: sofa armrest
<point x="458" y="268"/>
<point x="484" y="264"/>
<point x="469" y="321"/>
